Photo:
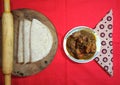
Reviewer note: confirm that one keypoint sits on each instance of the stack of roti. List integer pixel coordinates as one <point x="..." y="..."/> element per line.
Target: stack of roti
<point x="34" y="41"/>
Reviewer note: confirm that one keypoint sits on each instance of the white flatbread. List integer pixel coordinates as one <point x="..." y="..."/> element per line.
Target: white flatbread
<point x="20" y="43"/>
<point x="41" y="40"/>
<point x="26" y="39"/>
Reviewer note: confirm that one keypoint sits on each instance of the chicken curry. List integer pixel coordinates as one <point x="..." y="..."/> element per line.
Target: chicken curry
<point x="81" y="44"/>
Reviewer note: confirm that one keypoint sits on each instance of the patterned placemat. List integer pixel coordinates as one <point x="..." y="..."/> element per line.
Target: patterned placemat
<point x="104" y="29"/>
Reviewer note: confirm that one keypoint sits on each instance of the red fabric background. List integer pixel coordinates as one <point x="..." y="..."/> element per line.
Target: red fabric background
<point x="66" y="14"/>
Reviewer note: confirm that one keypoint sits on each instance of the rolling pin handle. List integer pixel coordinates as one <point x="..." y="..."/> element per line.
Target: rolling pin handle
<point x="7" y="79"/>
<point x="6" y="5"/>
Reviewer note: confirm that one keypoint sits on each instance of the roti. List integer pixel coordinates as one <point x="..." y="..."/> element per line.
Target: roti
<point x="41" y="40"/>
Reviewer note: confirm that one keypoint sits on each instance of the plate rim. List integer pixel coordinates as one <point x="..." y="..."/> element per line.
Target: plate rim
<point x="75" y="29"/>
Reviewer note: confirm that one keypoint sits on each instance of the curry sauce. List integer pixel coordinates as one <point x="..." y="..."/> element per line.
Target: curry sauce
<point x="81" y="44"/>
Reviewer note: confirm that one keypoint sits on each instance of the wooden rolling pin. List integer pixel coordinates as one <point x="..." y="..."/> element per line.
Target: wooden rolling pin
<point x="7" y="42"/>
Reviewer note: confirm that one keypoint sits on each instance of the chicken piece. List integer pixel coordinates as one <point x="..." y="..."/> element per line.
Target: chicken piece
<point x="88" y="48"/>
<point x="72" y="44"/>
<point x="76" y="35"/>
<point x="85" y="38"/>
<point x="93" y="47"/>
<point x="80" y="39"/>
<point x="79" y="54"/>
<point x="68" y="42"/>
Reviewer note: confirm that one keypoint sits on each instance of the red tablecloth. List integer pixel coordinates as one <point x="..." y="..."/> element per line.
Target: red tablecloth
<point x="66" y="14"/>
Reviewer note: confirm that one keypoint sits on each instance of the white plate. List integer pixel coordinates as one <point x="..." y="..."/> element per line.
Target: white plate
<point x="98" y="44"/>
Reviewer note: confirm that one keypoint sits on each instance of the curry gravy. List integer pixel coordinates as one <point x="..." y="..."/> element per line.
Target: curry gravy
<point x="81" y="44"/>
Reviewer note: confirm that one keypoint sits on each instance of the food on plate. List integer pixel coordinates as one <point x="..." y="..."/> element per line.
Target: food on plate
<point x="81" y="44"/>
<point x="26" y="40"/>
<point x="34" y="41"/>
<point x="20" y="42"/>
<point x="41" y="40"/>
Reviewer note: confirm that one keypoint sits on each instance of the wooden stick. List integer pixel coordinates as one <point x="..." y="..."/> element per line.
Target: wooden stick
<point x="7" y="42"/>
